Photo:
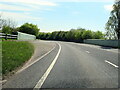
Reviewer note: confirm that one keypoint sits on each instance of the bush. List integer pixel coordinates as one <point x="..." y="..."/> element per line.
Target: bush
<point x="29" y="29"/>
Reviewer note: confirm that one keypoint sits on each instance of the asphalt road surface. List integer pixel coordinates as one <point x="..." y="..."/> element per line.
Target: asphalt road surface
<point x="70" y="65"/>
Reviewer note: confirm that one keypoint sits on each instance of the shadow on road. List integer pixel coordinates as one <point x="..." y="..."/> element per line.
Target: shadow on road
<point x="105" y="47"/>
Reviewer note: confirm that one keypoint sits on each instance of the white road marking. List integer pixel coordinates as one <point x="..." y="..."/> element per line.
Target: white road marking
<point x="3" y="81"/>
<point x="111" y="63"/>
<point x="87" y="51"/>
<point x="43" y="78"/>
<point x="36" y="60"/>
<point x="98" y="47"/>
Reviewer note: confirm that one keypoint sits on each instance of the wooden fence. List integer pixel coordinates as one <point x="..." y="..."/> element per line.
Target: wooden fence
<point x="8" y="36"/>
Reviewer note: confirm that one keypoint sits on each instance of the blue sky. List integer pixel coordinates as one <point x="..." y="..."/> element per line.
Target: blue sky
<point x="55" y="15"/>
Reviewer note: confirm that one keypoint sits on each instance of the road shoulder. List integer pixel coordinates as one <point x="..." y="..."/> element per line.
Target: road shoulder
<point x="41" y="48"/>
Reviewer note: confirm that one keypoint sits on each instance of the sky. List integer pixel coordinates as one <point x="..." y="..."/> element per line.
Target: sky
<point x="58" y="15"/>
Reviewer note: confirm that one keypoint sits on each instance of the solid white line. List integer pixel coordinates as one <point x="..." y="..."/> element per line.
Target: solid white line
<point x="36" y="60"/>
<point x="43" y="78"/>
<point x="111" y="63"/>
<point x="87" y="51"/>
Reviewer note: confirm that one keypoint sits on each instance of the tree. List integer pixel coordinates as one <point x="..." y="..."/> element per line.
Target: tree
<point x="6" y="29"/>
<point x="29" y="28"/>
<point x="1" y="22"/>
<point x="7" y="25"/>
<point x="98" y="35"/>
<point x="78" y="34"/>
<point x="113" y="24"/>
<point x="87" y="34"/>
<point x="71" y="35"/>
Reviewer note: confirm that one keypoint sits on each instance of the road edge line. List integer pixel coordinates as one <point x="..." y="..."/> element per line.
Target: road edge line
<point x="22" y="69"/>
<point x="45" y="75"/>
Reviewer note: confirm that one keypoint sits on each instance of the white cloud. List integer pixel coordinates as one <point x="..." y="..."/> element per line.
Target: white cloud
<point x="80" y="0"/>
<point x="50" y="2"/>
<point x="24" y="5"/>
<point x="11" y="7"/>
<point x="21" y="17"/>
<point x="28" y="6"/>
<point x="32" y="2"/>
<point x="108" y="7"/>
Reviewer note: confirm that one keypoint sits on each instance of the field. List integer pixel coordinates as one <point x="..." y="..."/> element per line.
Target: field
<point x="14" y="54"/>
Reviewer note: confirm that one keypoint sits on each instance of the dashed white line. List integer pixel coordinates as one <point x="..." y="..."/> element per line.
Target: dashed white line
<point x="87" y="51"/>
<point x="43" y="78"/>
<point x="111" y="63"/>
<point x="3" y="81"/>
<point x="98" y="47"/>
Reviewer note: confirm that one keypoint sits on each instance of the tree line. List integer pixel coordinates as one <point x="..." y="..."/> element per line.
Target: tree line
<point x="74" y="35"/>
<point x="8" y="26"/>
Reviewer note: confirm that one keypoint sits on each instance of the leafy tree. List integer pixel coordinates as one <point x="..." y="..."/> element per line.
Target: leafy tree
<point x="7" y="26"/>
<point x="98" y="35"/>
<point x="63" y="35"/>
<point x="6" y="29"/>
<point x="87" y="34"/>
<point x="113" y="24"/>
<point x="2" y="21"/>
<point x="71" y="35"/>
<point x="29" y="28"/>
<point x="78" y="35"/>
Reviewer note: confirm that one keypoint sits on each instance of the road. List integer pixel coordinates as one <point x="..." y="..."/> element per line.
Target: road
<point x="70" y="65"/>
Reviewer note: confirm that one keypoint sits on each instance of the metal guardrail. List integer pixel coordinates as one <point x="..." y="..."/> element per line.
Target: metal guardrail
<point x="8" y="36"/>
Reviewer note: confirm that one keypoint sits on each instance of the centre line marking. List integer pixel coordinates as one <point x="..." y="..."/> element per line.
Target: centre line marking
<point x="43" y="78"/>
<point x="87" y="51"/>
<point x="111" y="63"/>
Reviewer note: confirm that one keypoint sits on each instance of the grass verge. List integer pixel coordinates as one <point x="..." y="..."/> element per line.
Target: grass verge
<point x="0" y="59"/>
<point x="14" y="54"/>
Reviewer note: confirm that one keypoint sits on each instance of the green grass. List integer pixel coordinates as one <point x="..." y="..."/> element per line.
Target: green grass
<point x="14" y="54"/>
<point x="0" y="58"/>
